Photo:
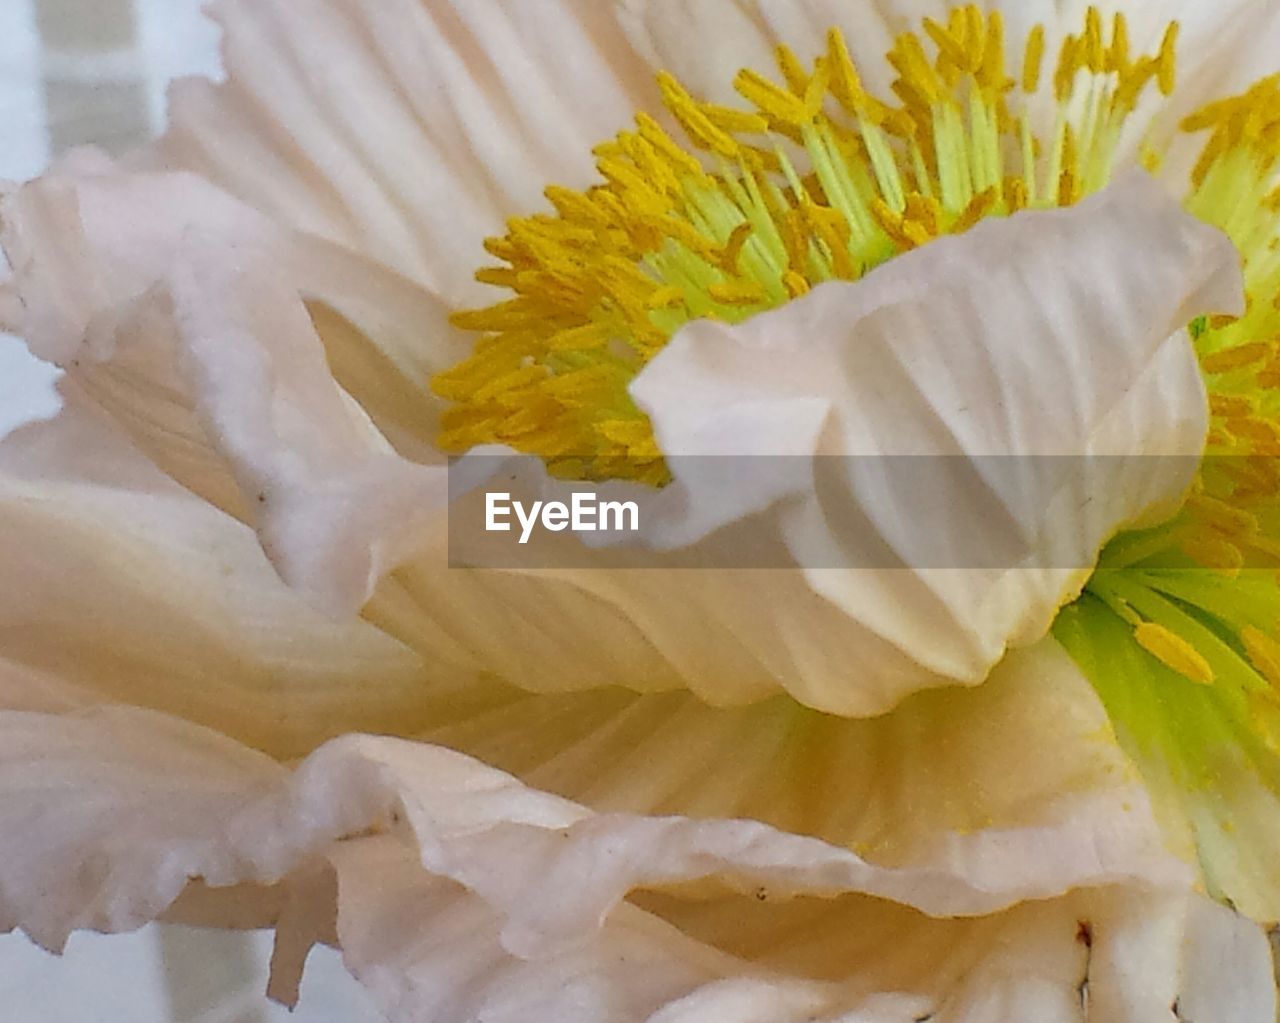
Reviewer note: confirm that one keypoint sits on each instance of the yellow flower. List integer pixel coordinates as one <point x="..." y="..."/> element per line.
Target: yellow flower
<point x="892" y="780"/>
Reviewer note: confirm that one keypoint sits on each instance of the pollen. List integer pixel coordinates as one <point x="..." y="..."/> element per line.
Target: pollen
<point x="724" y="212"/>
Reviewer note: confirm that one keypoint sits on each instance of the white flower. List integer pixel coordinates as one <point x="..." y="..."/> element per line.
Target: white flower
<point x="645" y="793"/>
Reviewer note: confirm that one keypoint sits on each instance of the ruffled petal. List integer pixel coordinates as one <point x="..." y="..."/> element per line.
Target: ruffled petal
<point x="91" y="245"/>
<point x="1003" y="361"/>
<point x="427" y="950"/>
<point x="114" y="810"/>
<point x="430" y="124"/>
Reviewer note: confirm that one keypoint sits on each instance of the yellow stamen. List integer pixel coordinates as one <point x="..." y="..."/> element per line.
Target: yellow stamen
<point x="1174" y="652"/>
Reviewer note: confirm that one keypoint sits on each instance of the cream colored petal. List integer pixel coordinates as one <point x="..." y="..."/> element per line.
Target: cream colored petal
<point x="1008" y="783"/>
<point x="127" y="588"/>
<point x="406" y="130"/>
<point x="106" y="814"/>
<point x="1102" y="956"/>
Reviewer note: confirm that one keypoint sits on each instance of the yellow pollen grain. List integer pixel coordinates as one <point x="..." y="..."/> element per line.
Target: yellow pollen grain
<point x="1174" y="652"/>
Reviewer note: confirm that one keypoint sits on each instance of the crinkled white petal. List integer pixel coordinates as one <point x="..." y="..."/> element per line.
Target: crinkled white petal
<point x="483" y="893"/>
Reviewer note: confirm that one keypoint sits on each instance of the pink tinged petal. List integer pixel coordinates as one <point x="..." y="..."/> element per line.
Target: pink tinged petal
<point x="428" y="125"/>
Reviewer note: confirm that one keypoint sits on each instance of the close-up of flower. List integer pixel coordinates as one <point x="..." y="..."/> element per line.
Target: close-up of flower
<point x="935" y="347"/>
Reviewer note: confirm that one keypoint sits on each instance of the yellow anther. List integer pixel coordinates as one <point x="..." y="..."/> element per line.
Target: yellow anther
<point x="701" y="131"/>
<point x="1237" y="357"/>
<point x="909" y="60"/>
<point x="733" y="247"/>
<point x="991" y="74"/>
<point x="925" y="211"/>
<point x="1016" y="194"/>
<point x="816" y="92"/>
<point x="975" y="37"/>
<point x="1213" y="552"/>
<point x="1166" y="75"/>
<point x="738" y="293"/>
<point x="1033" y="60"/>
<point x="1174" y="652"/>
<point x="1217" y="514"/>
<point x="1263" y="434"/>
<point x="1118" y="54"/>
<point x="947" y="44"/>
<point x="733" y="121"/>
<point x="769" y="98"/>
<point x="845" y="82"/>
<point x="796" y="285"/>
<point x="1232" y="405"/>
<point x="1094" y="54"/>
<point x="979" y="206"/>
<point x="668" y="297"/>
<point x="893" y="225"/>
<point x="793" y="72"/>
<point x="1068" y="64"/>
<point x="581" y="339"/>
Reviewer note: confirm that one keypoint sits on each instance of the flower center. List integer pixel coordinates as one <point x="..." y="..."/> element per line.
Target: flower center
<point x="816" y="179"/>
<point x="819" y="180"/>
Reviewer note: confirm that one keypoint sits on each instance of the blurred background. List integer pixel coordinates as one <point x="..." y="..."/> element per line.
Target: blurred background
<point x="74" y="72"/>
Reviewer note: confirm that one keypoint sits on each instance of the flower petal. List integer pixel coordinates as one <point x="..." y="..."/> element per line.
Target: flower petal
<point x="134" y="590"/>
<point x="428" y="950"/>
<point x="1011" y="783"/>
<point x="114" y="810"/>
<point x="91" y="245"/>
<point x="430" y="124"/>
<point x="1103" y="955"/>
<point x="676" y="37"/>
